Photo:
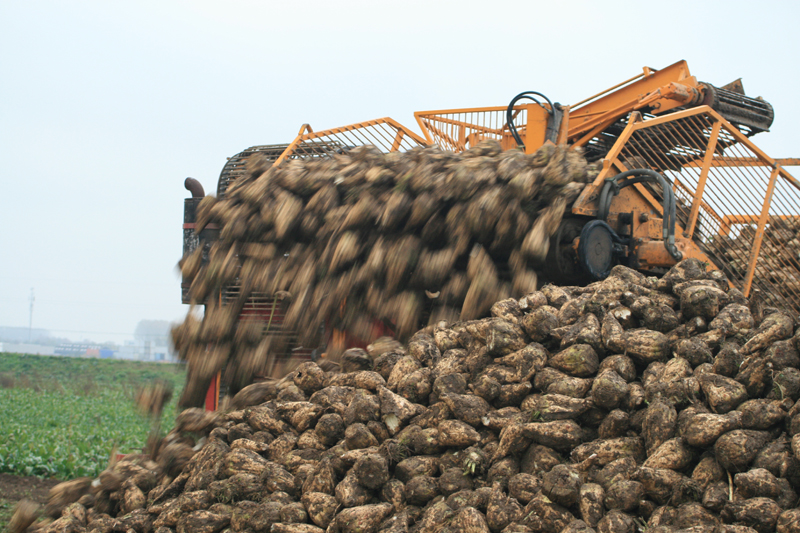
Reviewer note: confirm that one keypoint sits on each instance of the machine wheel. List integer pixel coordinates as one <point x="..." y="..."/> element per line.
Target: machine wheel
<point x="596" y="249"/>
<point x="562" y="265"/>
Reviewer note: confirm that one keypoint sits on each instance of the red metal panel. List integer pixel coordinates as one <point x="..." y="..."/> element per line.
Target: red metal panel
<point x="212" y="396"/>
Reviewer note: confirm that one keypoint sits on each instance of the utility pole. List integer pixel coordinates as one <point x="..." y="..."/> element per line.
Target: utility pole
<point x="30" y="320"/>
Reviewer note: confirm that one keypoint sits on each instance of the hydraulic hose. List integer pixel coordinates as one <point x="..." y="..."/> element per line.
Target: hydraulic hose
<point x="613" y="186"/>
<point x="510" y="111"/>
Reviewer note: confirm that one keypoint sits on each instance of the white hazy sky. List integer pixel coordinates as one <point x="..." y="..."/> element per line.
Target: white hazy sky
<point x="105" y="107"/>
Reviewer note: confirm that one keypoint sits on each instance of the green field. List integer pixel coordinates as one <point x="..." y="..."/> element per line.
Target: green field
<point x="63" y="417"/>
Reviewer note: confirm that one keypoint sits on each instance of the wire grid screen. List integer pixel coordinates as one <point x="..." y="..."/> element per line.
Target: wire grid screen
<point x="235" y="167"/>
<point x="269" y="311"/>
<point x="459" y="131"/>
<point x="259" y="307"/>
<point x="598" y="146"/>
<point x="732" y="201"/>
<point x="232" y="170"/>
<point x="384" y="136"/>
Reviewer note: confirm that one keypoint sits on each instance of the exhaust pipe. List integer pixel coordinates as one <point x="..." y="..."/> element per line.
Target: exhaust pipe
<point x="195" y="187"/>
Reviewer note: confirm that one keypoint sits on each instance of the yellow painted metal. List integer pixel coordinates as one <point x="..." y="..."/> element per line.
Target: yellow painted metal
<point x="684" y="113"/>
<point x="625" y="203"/>
<point x="651" y="253"/>
<point x="386" y="133"/>
<point x="657" y="90"/>
<point x="290" y="149"/>
<point x="760" y="155"/>
<point x="707" y="209"/>
<point x="584" y="204"/>
<point x="359" y="125"/>
<point x="586" y="201"/>
<point x="443" y="135"/>
<point x="728" y="221"/>
<point x="440" y="112"/>
<point x="397" y="140"/>
<point x="458" y="129"/>
<point x="646" y="72"/>
<point x="698" y="196"/>
<point x="536" y="128"/>
<point x="618" y="103"/>
<point x="747" y="162"/>
<point x="591" y="134"/>
<point x="762" y="221"/>
<point x="740" y="137"/>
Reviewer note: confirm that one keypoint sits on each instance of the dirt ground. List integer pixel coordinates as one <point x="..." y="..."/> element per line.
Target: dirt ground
<point x="15" y="488"/>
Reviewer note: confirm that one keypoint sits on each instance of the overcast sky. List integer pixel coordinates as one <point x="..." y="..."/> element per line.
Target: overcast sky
<point x="105" y="107"/>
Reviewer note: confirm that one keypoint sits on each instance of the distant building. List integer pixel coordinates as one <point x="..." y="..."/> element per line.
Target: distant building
<point x="148" y="344"/>
<point x="77" y="350"/>
<point x="145" y="351"/>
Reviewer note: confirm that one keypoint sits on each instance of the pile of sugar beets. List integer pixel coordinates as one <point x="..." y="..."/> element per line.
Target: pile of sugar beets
<point x="365" y="236"/>
<point x="631" y="404"/>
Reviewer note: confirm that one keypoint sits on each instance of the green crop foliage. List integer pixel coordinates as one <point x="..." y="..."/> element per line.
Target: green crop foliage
<point x="64" y="417"/>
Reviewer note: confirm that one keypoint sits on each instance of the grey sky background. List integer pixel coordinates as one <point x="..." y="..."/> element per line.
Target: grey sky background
<point x="105" y="107"/>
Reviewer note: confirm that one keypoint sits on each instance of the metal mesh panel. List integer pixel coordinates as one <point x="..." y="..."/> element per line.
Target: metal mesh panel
<point x="740" y="197"/>
<point x="598" y="146"/>
<point x="460" y="130"/>
<point x="384" y="134"/>
<point x="235" y="166"/>
<point x="270" y="312"/>
<point x="258" y="306"/>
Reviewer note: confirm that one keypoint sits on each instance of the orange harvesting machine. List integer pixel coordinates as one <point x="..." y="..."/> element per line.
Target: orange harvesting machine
<point x="680" y="178"/>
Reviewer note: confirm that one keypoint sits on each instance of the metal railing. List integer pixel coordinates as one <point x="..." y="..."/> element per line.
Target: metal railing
<point x="385" y="134"/>
<point x="460" y="129"/>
